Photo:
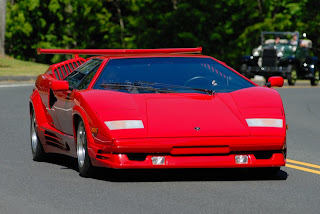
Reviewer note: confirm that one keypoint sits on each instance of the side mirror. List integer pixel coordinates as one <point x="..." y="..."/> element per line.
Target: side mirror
<point x="60" y="85"/>
<point x="275" y="82"/>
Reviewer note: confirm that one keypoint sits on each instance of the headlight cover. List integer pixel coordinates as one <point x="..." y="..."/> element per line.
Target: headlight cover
<point x="280" y="54"/>
<point x="256" y="53"/>
<point x="265" y="122"/>
<point x="124" y="124"/>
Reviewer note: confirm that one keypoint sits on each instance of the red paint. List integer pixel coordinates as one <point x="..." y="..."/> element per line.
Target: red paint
<point x="58" y="72"/>
<point x="60" y="86"/>
<point x="191" y="130"/>
<point x="118" y="51"/>
<point x="276" y="81"/>
<point x="210" y="150"/>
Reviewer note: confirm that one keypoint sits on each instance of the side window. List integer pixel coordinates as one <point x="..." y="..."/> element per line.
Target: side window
<point x="74" y="78"/>
<point x="87" y="79"/>
<point x="82" y="76"/>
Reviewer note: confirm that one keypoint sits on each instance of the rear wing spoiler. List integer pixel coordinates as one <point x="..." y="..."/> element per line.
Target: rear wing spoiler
<point x="62" y="69"/>
<point x="197" y="50"/>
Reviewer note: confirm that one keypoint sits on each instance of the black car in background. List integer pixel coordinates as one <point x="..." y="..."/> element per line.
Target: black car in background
<point x="283" y="54"/>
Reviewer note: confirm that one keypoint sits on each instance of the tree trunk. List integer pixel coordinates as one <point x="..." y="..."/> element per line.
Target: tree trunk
<point x="260" y="6"/>
<point x="175" y="4"/>
<point x="3" y="7"/>
<point x="117" y="5"/>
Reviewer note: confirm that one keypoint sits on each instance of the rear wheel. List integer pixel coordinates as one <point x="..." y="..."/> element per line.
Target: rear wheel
<point x="84" y="164"/>
<point x="292" y="76"/>
<point x="315" y="80"/>
<point x="38" y="153"/>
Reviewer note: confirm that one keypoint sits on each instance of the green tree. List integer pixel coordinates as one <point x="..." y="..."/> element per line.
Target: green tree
<point x="59" y="24"/>
<point x="3" y="4"/>
<point x="227" y="29"/>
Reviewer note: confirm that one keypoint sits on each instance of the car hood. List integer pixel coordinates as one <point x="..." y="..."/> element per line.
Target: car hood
<point x="187" y="115"/>
<point x="198" y="115"/>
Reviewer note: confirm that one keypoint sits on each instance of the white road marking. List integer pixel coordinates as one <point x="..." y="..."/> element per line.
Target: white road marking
<point x="16" y="85"/>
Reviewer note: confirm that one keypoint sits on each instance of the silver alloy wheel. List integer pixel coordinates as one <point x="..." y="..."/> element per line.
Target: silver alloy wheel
<point x="34" y="137"/>
<point x="81" y="144"/>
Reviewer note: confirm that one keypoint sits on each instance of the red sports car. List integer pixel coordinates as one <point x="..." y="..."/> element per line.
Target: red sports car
<point x="155" y="108"/>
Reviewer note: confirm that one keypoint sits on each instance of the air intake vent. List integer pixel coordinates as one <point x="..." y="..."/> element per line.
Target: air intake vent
<point x="54" y="140"/>
<point x="263" y="154"/>
<point x="137" y="156"/>
<point x="63" y="69"/>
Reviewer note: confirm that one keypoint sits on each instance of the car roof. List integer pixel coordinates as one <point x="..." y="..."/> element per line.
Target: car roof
<point x="127" y="56"/>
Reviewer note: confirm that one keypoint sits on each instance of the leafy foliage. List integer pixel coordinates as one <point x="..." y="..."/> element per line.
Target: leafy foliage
<point x="227" y="29"/>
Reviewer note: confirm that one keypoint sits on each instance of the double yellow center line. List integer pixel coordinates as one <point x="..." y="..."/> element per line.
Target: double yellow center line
<point x="303" y="166"/>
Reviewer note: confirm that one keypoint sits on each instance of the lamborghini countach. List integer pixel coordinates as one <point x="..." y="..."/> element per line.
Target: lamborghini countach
<point x="155" y="109"/>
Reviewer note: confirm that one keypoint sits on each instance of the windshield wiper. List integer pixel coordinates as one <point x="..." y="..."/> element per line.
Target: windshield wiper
<point x="131" y="86"/>
<point x="209" y="91"/>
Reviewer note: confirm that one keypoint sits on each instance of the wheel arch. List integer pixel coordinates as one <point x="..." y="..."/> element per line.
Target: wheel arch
<point x="31" y="109"/>
<point x="36" y="105"/>
<point x="80" y="115"/>
<point x="292" y="61"/>
<point x="76" y="119"/>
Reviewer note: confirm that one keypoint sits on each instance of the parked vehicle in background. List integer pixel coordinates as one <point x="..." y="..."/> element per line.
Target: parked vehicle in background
<point x="283" y="54"/>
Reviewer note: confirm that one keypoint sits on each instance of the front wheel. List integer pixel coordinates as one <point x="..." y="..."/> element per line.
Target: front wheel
<point x="315" y="80"/>
<point x="84" y="164"/>
<point x="292" y="75"/>
<point x="38" y="153"/>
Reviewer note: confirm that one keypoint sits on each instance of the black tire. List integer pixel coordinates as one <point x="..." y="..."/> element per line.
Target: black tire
<point x="315" y="80"/>
<point x="84" y="164"/>
<point x="292" y="75"/>
<point x="38" y="153"/>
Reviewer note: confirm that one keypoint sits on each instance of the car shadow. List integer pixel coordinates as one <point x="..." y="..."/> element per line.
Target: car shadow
<point x="171" y="175"/>
<point x="167" y="175"/>
<point x="62" y="160"/>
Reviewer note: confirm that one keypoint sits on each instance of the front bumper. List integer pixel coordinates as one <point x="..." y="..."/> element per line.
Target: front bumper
<point x="121" y="161"/>
<point x="190" y="152"/>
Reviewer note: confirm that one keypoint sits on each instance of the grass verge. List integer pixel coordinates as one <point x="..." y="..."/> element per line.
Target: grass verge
<point x="15" y="67"/>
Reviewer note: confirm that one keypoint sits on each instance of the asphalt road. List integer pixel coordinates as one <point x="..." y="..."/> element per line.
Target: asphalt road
<point x="55" y="186"/>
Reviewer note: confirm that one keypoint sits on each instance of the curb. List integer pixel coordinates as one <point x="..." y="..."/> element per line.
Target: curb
<point x="18" y="78"/>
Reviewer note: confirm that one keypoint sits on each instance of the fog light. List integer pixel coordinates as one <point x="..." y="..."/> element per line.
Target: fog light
<point x="158" y="160"/>
<point x="241" y="159"/>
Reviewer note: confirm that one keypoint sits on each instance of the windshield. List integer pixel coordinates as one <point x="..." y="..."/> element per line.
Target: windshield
<point x="280" y="38"/>
<point x="188" y="72"/>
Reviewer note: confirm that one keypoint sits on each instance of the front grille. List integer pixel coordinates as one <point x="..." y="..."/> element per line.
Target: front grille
<point x="269" y="58"/>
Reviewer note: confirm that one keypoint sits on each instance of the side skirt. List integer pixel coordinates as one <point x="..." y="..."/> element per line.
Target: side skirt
<point x="54" y="141"/>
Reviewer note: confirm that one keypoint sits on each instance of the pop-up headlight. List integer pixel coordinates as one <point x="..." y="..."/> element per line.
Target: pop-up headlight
<point x="265" y="122"/>
<point x="124" y="124"/>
